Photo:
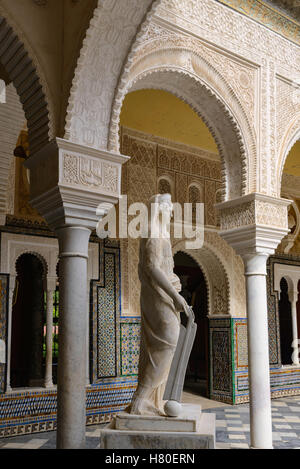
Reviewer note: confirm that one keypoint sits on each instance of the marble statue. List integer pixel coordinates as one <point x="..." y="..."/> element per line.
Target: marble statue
<point x="161" y="304"/>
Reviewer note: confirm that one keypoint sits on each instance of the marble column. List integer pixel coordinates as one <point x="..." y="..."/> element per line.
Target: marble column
<point x="258" y="350"/>
<point x="293" y="297"/>
<point x="12" y="284"/>
<point x="71" y="401"/>
<point x="68" y="182"/>
<point x="50" y="289"/>
<point x="254" y="225"/>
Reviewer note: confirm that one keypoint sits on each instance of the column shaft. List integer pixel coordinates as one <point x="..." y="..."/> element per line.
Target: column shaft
<point x="12" y="283"/>
<point x="71" y="386"/>
<point x="295" y="354"/>
<point x="258" y="351"/>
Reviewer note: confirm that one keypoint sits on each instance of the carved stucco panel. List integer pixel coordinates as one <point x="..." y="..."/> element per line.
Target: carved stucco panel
<point x="87" y="172"/>
<point x="259" y="212"/>
<point x="228" y="29"/>
<point x="108" y="42"/>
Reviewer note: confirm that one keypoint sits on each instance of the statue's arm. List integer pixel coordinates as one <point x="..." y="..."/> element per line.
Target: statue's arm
<point x="159" y="277"/>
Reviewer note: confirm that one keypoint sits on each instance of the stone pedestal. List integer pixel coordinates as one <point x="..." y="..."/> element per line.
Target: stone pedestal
<point x="191" y="430"/>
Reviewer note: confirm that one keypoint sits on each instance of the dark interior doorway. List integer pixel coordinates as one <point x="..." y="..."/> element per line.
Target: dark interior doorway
<point x="285" y="324"/>
<point x="28" y="323"/>
<point x="194" y="290"/>
<point x="298" y="311"/>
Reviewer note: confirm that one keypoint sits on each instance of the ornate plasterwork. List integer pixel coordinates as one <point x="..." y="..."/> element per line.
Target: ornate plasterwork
<point x="230" y="31"/>
<point x="268" y="16"/>
<point x="255" y="211"/>
<point x="236" y="40"/>
<point x="109" y="39"/>
<point x="153" y="158"/>
<point x="174" y="66"/>
<point x="215" y="24"/>
<point x="290" y="186"/>
<point x="290" y="137"/>
<point x="91" y="173"/>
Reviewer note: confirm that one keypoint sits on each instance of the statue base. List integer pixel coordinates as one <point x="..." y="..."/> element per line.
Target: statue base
<point x="191" y="430"/>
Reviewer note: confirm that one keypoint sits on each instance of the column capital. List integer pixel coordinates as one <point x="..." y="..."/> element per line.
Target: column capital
<point x="68" y="181"/>
<point x="254" y="223"/>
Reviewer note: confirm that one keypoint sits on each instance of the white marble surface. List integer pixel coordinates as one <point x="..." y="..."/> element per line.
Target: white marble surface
<point x="161" y="304"/>
<point x="188" y="421"/>
<point x="203" y="438"/>
<point x="2" y="351"/>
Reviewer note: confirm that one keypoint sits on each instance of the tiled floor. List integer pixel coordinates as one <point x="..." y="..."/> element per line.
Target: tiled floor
<point x="232" y="428"/>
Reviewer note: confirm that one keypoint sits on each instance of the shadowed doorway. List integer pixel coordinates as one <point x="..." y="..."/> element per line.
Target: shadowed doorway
<point x="194" y="290"/>
<point x="28" y="323"/>
<point x="285" y="324"/>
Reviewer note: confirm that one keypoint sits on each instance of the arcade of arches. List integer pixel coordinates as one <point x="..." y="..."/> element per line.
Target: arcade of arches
<point x="199" y="99"/>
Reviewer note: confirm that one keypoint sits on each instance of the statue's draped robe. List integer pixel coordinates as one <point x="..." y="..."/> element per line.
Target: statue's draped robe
<point x="160" y="326"/>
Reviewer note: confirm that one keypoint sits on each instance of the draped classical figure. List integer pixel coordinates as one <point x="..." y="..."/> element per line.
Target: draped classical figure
<point x="160" y="307"/>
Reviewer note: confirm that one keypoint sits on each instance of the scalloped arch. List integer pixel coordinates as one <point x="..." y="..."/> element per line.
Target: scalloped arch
<point x="195" y="81"/>
<point x="291" y="136"/>
<point x="36" y="254"/>
<point x="26" y="75"/>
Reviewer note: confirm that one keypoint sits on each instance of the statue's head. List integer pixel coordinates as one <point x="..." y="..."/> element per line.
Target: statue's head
<point x="161" y="211"/>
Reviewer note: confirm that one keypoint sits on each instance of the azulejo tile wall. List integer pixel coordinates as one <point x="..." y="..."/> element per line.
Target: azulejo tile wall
<point x="130" y="339"/>
<point x="105" y="314"/>
<point x="35" y="411"/>
<point x="220" y="351"/>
